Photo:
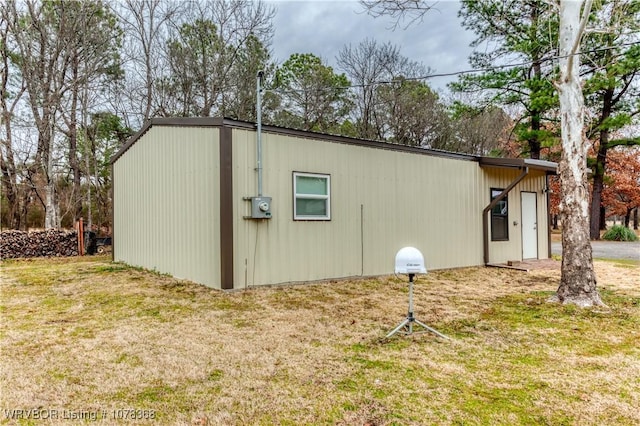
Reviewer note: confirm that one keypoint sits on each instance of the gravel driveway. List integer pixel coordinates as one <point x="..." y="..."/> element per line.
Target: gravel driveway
<point x="608" y="249"/>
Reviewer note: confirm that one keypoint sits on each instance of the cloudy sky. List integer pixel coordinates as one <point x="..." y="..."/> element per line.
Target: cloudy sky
<point x="324" y="27"/>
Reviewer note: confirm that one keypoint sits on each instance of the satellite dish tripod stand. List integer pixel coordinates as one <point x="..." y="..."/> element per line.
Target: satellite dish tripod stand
<point x="406" y="326"/>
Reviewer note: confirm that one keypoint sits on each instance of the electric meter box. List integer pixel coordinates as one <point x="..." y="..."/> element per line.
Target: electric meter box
<point x="260" y="207"/>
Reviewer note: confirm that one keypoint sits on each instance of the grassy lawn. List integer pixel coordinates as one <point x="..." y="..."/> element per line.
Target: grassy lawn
<point x="87" y="335"/>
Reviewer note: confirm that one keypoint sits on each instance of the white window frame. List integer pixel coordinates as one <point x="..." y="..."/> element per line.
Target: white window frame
<point x="326" y="197"/>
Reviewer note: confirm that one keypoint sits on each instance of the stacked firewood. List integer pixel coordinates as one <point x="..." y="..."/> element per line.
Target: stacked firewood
<point x="49" y="243"/>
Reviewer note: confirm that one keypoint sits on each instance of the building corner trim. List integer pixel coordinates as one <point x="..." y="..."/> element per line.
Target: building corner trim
<point x="226" y="208"/>
<point x="548" y="212"/>
<point x="112" y="193"/>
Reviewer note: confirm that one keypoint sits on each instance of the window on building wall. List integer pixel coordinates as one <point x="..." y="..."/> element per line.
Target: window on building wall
<point x="499" y="217"/>
<point x="311" y="196"/>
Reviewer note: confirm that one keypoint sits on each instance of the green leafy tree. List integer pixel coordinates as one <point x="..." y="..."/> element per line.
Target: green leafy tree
<point x="312" y="96"/>
<point x="103" y="136"/>
<point x="252" y="58"/>
<point x="612" y="66"/>
<point x="207" y="52"/>
<point x="479" y="131"/>
<point x="196" y="58"/>
<point x="410" y="113"/>
<point x="516" y="31"/>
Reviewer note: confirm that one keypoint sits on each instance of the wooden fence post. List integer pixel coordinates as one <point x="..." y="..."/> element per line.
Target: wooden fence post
<point x="80" y="238"/>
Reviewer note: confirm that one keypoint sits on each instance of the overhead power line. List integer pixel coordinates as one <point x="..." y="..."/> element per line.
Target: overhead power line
<point x="472" y="71"/>
<point x="496" y="67"/>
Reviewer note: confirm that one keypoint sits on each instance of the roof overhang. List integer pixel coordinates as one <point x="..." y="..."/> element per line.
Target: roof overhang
<point x="520" y="163"/>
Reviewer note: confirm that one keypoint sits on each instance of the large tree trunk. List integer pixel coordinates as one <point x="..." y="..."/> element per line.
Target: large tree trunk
<point x="72" y="133"/>
<point x="536" y="114"/>
<point x="51" y="217"/>
<point x="9" y="181"/>
<point x="51" y="214"/>
<point x="601" y="163"/>
<point x="578" y="279"/>
<point x="52" y="211"/>
<point x="534" y="142"/>
<point x="7" y="162"/>
<point x="596" y="194"/>
<point x="603" y="218"/>
<point x="11" y="191"/>
<point x="50" y="220"/>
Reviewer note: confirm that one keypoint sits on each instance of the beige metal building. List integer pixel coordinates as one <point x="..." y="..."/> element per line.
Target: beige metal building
<point x="187" y="202"/>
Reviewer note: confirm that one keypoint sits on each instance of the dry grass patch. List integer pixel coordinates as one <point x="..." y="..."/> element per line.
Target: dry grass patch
<point x="88" y="334"/>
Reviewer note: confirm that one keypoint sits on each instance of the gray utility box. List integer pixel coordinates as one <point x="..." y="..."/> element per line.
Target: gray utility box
<point x="260" y="207"/>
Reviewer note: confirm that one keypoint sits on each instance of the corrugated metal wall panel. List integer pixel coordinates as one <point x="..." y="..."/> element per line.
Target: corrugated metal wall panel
<point x="166" y="203"/>
<point x="381" y="201"/>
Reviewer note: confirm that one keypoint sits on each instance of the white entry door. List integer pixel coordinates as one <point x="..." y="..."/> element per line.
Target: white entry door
<point x="529" y="225"/>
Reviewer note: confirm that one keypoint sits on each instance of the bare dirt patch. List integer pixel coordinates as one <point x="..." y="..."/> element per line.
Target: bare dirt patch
<point x="99" y="336"/>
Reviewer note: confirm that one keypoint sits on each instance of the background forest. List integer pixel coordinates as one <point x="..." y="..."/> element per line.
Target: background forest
<point x="80" y="77"/>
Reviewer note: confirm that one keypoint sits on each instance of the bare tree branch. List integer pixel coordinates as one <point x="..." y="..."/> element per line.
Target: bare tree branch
<point x="583" y="23"/>
<point x="405" y="12"/>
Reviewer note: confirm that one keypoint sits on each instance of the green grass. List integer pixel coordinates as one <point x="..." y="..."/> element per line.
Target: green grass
<point x="98" y="334"/>
<point x="622" y="263"/>
<point x="535" y="335"/>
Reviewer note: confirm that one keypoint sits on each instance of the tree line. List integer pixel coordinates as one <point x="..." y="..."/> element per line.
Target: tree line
<point x="79" y="77"/>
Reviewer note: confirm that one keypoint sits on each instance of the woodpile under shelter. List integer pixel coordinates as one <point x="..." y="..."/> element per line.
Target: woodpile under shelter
<point x="201" y="199"/>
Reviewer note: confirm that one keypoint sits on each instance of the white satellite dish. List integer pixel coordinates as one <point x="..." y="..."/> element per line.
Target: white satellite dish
<point x="410" y="261"/>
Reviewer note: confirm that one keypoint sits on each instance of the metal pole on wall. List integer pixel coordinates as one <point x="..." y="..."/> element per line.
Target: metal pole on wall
<point x="259" y="129"/>
<point x="260" y="206"/>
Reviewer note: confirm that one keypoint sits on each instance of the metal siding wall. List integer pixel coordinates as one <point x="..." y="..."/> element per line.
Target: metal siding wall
<point x="502" y="251"/>
<point x="428" y="202"/>
<point x="167" y="203"/>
